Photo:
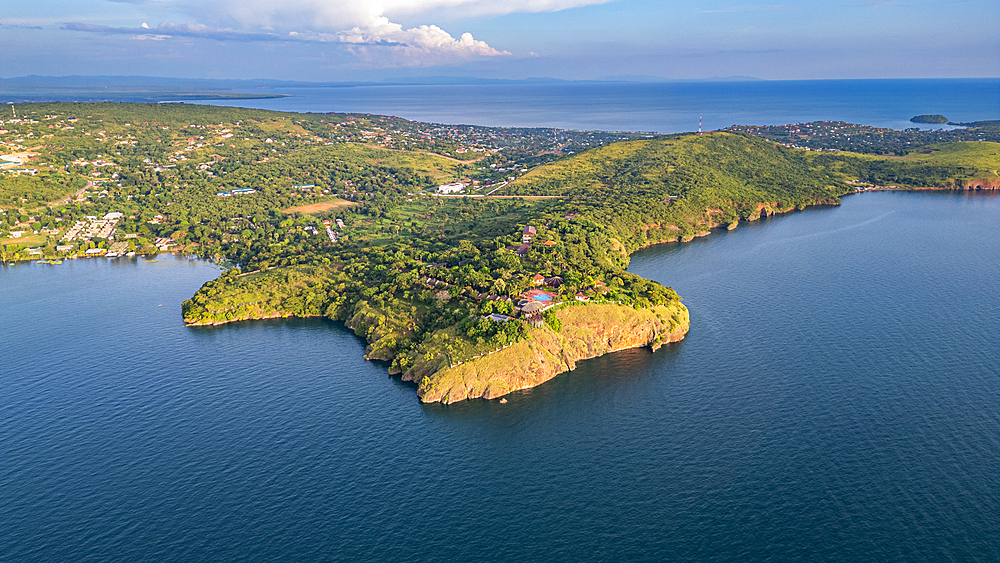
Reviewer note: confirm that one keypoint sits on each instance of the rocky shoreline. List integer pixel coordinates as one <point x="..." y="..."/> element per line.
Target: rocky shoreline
<point x="587" y="332"/>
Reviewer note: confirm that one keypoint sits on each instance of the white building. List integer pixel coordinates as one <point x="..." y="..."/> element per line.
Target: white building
<point x="452" y="188"/>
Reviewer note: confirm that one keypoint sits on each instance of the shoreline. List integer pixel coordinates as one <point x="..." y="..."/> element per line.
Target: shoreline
<point x="43" y="259"/>
<point x="488" y="376"/>
<point x="543" y="354"/>
<point x="546" y="354"/>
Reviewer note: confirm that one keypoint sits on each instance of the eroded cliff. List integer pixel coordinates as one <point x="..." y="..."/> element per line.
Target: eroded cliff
<point x="588" y="331"/>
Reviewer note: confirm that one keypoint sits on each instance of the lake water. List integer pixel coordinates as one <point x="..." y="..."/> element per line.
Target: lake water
<point x="662" y="108"/>
<point x="837" y="399"/>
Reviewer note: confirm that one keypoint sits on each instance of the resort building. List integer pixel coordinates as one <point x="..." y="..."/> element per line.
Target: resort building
<point x="452" y="188"/>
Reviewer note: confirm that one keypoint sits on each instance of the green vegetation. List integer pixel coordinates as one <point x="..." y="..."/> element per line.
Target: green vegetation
<point x="975" y="159"/>
<point x="334" y="215"/>
<point x="585" y="332"/>
<point x="929" y="118"/>
<point x="865" y="139"/>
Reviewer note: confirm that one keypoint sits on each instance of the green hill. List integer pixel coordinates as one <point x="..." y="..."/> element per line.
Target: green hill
<point x="929" y="118"/>
<point x="416" y="274"/>
<point x="418" y="295"/>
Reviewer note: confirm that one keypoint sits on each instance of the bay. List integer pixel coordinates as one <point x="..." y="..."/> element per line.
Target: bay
<point x="656" y="107"/>
<point x="837" y="398"/>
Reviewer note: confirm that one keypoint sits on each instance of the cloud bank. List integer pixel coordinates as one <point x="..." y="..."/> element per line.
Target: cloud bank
<point x="346" y="14"/>
<point x="382" y="43"/>
<point x="363" y="27"/>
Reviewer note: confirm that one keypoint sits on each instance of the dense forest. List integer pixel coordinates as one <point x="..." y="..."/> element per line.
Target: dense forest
<point x="448" y="262"/>
<point x="337" y="215"/>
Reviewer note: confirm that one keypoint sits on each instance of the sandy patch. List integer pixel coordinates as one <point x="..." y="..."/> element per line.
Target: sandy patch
<point x="319" y="207"/>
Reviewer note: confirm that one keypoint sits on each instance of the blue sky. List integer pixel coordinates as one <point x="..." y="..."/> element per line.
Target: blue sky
<point x="331" y="40"/>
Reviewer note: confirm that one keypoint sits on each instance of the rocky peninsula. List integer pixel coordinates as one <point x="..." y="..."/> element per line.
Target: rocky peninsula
<point x="587" y="332"/>
<point x="448" y="366"/>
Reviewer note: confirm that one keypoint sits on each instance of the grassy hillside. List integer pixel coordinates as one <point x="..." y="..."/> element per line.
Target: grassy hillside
<point x="675" y="187"/>
<point x="414" y="281"/>
<point x="976" y="159"/>
<point x="337" y="215"/>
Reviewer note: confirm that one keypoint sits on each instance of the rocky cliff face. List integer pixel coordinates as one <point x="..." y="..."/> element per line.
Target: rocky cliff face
<point x="587" y="332"/>
<point x="978" y="184"/>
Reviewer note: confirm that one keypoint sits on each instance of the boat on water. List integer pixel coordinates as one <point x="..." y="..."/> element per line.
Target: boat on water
<point x="112" y="255"/>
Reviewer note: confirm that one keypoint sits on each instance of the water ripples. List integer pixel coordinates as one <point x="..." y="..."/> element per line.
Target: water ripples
<point x="836" y="399"/>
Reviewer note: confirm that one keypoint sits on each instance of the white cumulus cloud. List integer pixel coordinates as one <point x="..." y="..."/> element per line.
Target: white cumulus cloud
<point x="387" y="43"/>
<point x="363" y="27"/>
<point x="366" y="26"/>
<point x="345" y="14"/>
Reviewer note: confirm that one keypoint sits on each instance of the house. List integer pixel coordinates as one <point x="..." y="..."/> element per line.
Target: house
<point x="114" y="215"/>
<point x="549" y="243"/>
<point x="581" y="298"/>
<point x="528" y="233"/>
<point x="554" y="281"/>
<point x="537" y="279"/>
<point x="498" y="317"/>
<point x="532" y="313"/>
<point x="523" y="249"/>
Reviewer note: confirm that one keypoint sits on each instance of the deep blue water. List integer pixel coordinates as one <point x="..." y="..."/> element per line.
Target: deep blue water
<point x="837" y="399"/>
<point x="662" y="108"/>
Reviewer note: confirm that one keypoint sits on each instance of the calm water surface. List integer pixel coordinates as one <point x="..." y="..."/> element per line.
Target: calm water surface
<point x="838" y="398"/>
<point x="663" y="108"/>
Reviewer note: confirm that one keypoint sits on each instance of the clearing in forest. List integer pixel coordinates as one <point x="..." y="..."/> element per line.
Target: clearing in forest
<point x="319" y="207"/>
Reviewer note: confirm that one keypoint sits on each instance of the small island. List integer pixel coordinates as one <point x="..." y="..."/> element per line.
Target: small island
<point x="929" y="118"/>
<point x="473" y="263"/>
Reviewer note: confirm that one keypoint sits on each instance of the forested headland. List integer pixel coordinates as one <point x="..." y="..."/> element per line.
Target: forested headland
<point x="526" y="267"/>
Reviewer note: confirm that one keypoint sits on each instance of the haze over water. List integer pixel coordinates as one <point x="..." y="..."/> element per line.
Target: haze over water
<point x="656" y="107"/>
<point x="837" y="398"/>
